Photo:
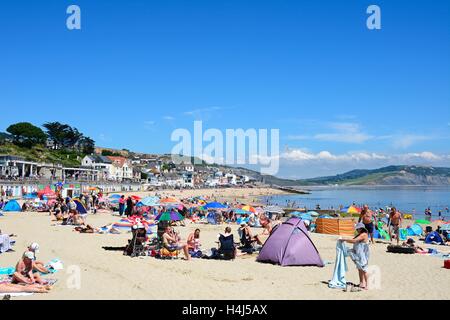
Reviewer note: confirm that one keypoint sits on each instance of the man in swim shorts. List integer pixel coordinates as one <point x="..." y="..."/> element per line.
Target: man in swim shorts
<point x="367" y="218"/>
<point x="395" y="223"/>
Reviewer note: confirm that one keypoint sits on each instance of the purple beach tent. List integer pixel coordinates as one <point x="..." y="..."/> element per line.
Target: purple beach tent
<point x="290" y="245"/>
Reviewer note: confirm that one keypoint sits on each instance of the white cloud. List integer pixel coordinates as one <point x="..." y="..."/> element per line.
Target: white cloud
<point x="404" y="141"/>
<point x="202" y="110"/>
<point x="169" y="118"/>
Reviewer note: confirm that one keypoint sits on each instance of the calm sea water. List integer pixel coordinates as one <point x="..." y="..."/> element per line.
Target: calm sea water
<point x="406" y="199"/>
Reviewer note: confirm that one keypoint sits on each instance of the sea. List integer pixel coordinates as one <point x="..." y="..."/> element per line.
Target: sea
<point x="408" y="199"/>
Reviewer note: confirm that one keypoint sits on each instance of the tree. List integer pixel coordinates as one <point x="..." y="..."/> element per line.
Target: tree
<point x="57" y="133"/>
<point x="27" y="135"/>
<point x="72" y="138"/>
<point x="87" y="145"/>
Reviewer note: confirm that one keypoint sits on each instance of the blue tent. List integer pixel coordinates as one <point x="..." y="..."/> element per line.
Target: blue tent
<point x="215" y="205"/>
<point x="80" y="207"/>
<point x="415" y="230"/>
<point x="434" y="237"/>
<point x="12" y="206"/>
<point x="211" y="218"/>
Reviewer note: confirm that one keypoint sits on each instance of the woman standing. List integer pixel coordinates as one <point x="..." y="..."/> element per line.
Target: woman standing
<point x="360" y="253"/>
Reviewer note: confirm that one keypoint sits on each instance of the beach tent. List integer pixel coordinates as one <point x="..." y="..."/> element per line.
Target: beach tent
<point x="80" y="207"/>
<point x="343" y="227"/>
<point x="47" y="192"/>
<point x="415" y="230"/>
<point x="433" y="238"/>
<point x="12" y="206"/>
<point x="211" y="218"/>
<point x="290" y="245"/>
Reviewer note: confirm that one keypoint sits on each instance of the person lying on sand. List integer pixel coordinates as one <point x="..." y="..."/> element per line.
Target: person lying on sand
<point x="21" y="288"/>
<point x="171" y="242"/>
<point x="24" y="271"/>
<point x="410" y="243"/>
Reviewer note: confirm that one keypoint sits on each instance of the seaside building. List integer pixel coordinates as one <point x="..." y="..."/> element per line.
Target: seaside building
<point x="121" y="168"/>
<point x="17" y="167"/>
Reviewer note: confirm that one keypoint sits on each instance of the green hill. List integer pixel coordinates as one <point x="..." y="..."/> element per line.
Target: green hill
<point x="392" y="175"/>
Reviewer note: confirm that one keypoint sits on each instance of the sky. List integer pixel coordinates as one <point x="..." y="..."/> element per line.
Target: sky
<point x="343" y="96"/>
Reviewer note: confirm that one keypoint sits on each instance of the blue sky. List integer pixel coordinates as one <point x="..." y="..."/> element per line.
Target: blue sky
<point x="342" y="96"/>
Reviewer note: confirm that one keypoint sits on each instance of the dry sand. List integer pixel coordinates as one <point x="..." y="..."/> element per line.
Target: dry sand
<point x="110" y="275"/>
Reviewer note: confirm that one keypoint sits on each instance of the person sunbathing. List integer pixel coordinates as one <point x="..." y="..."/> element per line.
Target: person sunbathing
<point x="171" y="242"/>
<point x="20" y="288"/>
<point x="24" y="271"/>
<point x="410" y="243"/>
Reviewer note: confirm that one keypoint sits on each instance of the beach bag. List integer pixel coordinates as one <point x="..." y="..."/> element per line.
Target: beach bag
<point x="167" y="253"/>
<point x="447" y="264"/>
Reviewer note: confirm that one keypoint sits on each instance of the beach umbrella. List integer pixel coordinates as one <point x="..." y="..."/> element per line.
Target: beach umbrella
<point x="115" y="196"/>
<point x="136" y="198"/>
<point x="274" y="209"/>
<point x="169" y="216"/>
<point x="313" y="213"/>
<point x="249" y="208"/>
<point x="169" y="200"/>
<point x="445" y="227"/>
<point x="353" y="210"/>
<point x="423" y="222"/>
<point x="240" y="211"/>
<point x="149" y="201"/>
<point x="303" y="215"/>
<point x="215" y="205"/>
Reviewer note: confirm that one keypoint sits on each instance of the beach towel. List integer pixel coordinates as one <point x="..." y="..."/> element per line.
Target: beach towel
<point x="7" y="271"/>
<point x="340" y="267"/>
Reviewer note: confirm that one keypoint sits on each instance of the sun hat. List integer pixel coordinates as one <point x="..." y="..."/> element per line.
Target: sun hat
<point x="29" y="255"/>
<point x="34" y="247"/>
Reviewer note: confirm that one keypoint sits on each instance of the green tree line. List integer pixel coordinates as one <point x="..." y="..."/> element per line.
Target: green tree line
<point x="62" y="136"/>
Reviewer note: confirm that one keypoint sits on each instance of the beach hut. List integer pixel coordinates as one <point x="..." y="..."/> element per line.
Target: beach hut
<point x="342" y="227"/>
<point x="12" y="206"/>
<point x="290" y="245"/>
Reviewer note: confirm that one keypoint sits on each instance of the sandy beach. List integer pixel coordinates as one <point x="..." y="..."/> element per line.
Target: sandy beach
<point x="110" y="275"/>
